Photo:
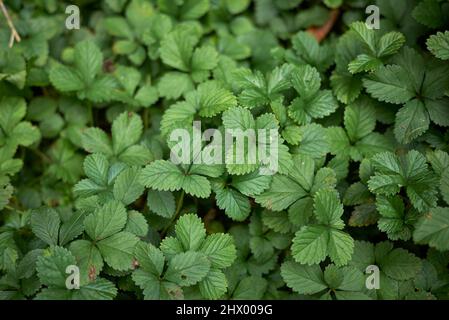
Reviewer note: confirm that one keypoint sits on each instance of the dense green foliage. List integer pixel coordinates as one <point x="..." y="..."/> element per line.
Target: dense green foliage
<point x="85" y="171"/>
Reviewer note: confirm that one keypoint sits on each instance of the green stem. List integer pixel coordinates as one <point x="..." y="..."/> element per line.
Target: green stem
<point x="41" y="155"/>
<point x="8" y="207"/>
<point x="176" y="215"/>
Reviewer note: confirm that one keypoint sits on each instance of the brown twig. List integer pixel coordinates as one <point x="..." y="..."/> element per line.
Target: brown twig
<point x="14" y="34"/>
<point x="321" y="32"/>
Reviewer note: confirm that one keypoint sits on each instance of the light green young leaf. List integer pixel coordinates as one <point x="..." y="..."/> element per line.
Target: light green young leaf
<point x="438" y="44"/>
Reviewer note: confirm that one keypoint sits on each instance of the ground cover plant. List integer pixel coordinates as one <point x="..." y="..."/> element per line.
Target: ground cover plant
<point x="357" y="208"/>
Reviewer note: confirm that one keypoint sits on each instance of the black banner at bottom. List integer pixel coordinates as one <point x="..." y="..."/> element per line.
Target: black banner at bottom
<point x="199" y="309"/>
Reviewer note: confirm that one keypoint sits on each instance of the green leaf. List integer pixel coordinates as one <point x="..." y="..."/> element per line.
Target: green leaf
<point x="51" y="266"/>
<point x="190" y="232"/>
<point x="45" y="225"/>
<point x="306" y="80"/>
<point x="438" y="44"/>
<point x="197" y="186"/>
<point x="310" y="245"/>
<point x="359" y="119"/>
<point x="340" y="247"/>
<point x="139" y="12"/>
<point x="213" y="99"/>
<point x="101" y="289"/>
<point x="204" y="58"/>
<point x="283" y="192"/>
<point x="277" y="221"/>
<point x="399" y="264"/>
<point x="251" y="184"/>
<point x="188" y="268"/>
<point x="153" y="288"/>
<point x="411" y="122"/>
<point x="71" y="228"/>
<point x="433" y="228"/>
<point x="150" y="258"/>
<point x="214" y="285"/>
<point x="192" y="9"/>
<point x="364" y="63"/>
<point x="126" y="131"/>
<point x="106" y="221"/>
<point x="177" y="48"/>
<point x="438" y="111"/>
<point x="118" y="250"/>
<point x="127" y="187"/>
<point x="346" y="88"/>
<point x="310" y="52"/>
<point x="236" y="205"/>
<point x="161" y="203"/>
<point x="366" y="35"/>
<point x="88" y="60"/>
<point x="96" y="167"/>
<point x="320" y="106"/>
<point x="390" y="43"/>
<point x="88" y="259"/>
<point x="303" y="279"/>
<point x="313" y="243"/>
<point x="250" y="287"/>
<point x="429" y="13"/>
<point x="389" y="84"/>
<point x="314" y="141"/>
<point x="220" y="250"/>
<point x="65" y="79"/>
<point x="95" y="140"/>
<point x="162" y="175"/>
<point x="136" y="224"/>
<point x="238" y="118"/>
<point x="353" y="279"/>
<point x="328" y="208"/>
<point x="165" y="176"/>
<point x="173" y="85"/>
